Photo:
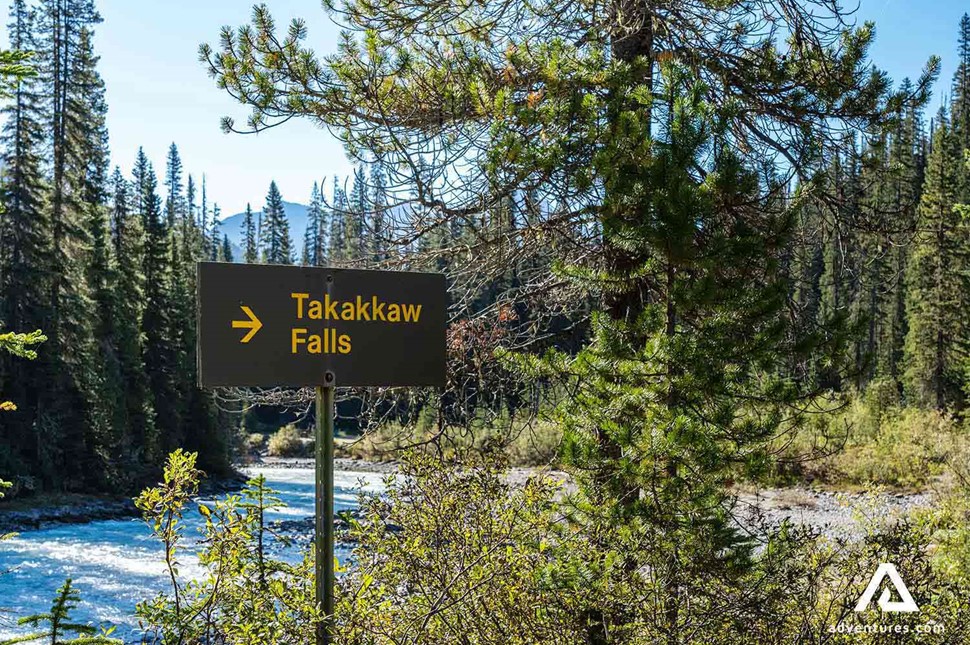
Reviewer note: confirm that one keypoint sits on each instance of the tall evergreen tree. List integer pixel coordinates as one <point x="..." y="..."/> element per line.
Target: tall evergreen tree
<point x="278" y="244"/>
<point x="174" y="199"/>
<point x="214" y="243"/>
<point x="108" y="436"/>
<point x="128" y="235"/>
<point x="190" y="205"/>
<point x="336" y="239"/>
<point x="74" y="409"/>
<point x="905" y="186"/>
<point x="25" y="252"/>
<point x="225" y="254"/>
<point x="312" y="237"/>
<point x="62" y="24"/>
<point x="938" y="283"/>
<point x="960" y="121"/>
<point x="251" y="241"/>
<point x="378" y="232"/>
<point x="355" y="238"/>
<point x="160" y="356"/>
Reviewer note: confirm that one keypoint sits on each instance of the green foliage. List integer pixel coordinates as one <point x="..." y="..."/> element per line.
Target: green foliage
<point x="286" y="442"/>
<point x="163" y="507"/>
<point x="58" y="624"/>
<point x="15" y="66"/>
<point x="938" y="283"/>
<point x="456" y="552"/>
<point x="101" y="266"/>
<point x="277" y="243"/>
<point x="19" y="344"/>
<point x="495" y="581"/>
<point x="244" y="596"/>
<point x="868" y="442"/>
<point x="251" y="251"/>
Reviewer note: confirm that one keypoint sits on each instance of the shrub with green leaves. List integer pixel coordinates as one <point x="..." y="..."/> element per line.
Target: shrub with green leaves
<point x="286" y="442"/>
<point x="454" y="553"/>
<point x="244" y="596"/>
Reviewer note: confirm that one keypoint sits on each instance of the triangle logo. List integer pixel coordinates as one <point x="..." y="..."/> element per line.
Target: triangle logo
<point x="905" y="602"/>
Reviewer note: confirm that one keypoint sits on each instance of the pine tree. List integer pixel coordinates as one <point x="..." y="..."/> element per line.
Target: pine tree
<point x="938" y="283"/>
<point x="128" y="235"/>
<point x="661" y="439"/>
<point x="203" y="220"/>
<point x="190" y="205"/>
<point x="960" y="121"/>
<point x="226" y="253"/>
<point x="174" y="200"/>
<point x="215" y="235"/>
<point x="251" y="252"/>
<point x="312" y="237"/>
<point x="63" y="24"/>
<point x="160" y="357"/>
<point x="195" y="425"/>
<point x="378" y="230"/>
<point x="905" y="185"/>
<point x="74" y="410"/>
<point x="276" y="229"/>
<point x="355" y="243"/>
<point x="58" y="623"/>
<point x="336" y="240"/>
<point x="25" y="252"/>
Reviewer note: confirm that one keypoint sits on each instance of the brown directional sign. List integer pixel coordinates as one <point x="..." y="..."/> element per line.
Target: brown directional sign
<point x="262" y="325"/>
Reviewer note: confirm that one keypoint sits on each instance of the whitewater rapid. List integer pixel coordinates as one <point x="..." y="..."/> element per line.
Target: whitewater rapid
<point x="117" y="563"/>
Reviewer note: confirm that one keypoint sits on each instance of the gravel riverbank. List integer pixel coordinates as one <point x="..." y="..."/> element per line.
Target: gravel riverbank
<point x="834" y="514"/>
<point x="340" y="463"/>
<point x="21" y="516"/>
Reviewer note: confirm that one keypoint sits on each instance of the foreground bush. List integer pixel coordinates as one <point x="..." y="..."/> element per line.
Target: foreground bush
<point x="455" y="554"/>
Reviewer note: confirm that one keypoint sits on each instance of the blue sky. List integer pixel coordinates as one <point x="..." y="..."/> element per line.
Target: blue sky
<point x="158" y="92"/>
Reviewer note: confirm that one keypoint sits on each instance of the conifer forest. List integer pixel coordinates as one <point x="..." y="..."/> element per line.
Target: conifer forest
<point x="708" y="330"/>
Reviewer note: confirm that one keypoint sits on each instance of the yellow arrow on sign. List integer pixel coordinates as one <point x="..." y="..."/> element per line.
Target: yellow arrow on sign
<point x="253" y="324"/>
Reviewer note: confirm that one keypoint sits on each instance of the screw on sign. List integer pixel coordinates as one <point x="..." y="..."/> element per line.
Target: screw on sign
<point x="268" y="326"/>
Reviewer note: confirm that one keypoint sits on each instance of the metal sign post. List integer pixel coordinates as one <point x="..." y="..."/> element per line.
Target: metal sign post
<point x="269" y="326"/>
<point x="323" y="538"/>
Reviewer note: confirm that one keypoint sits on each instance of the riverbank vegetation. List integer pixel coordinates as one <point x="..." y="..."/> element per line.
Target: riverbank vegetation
<point x="529" y="563"/>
